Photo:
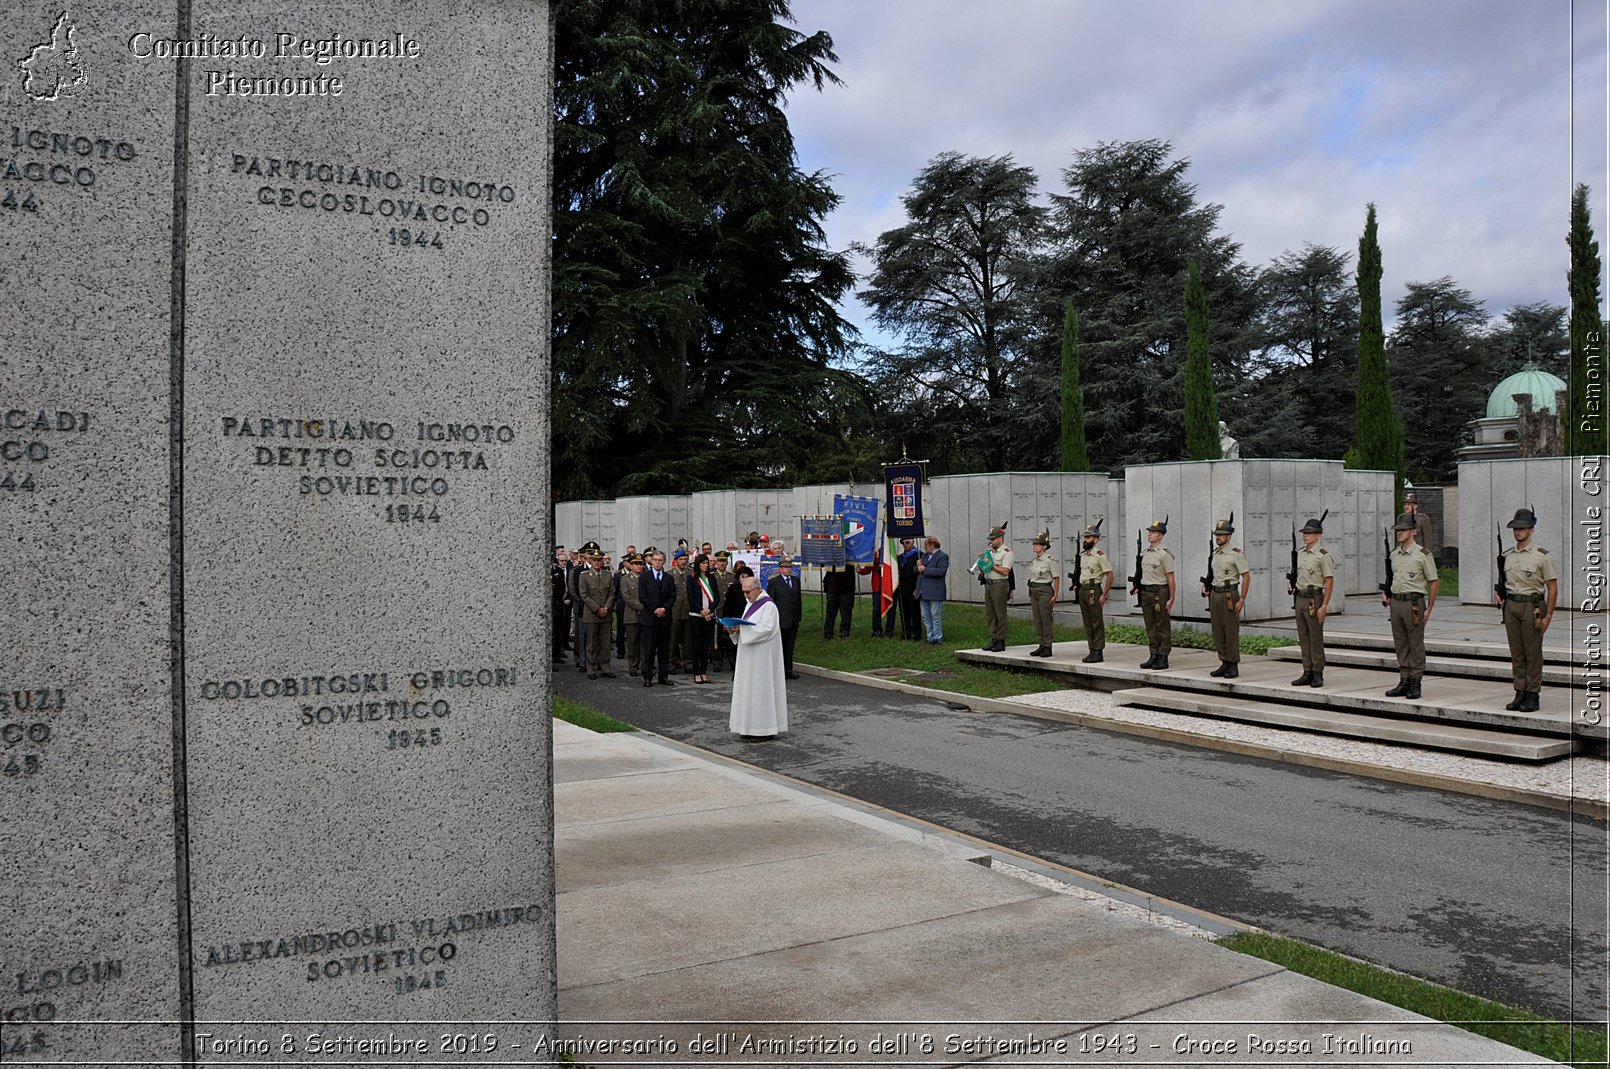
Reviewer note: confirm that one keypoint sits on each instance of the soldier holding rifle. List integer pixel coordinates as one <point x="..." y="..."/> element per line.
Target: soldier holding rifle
<point x="1529" y="587"/>
<point x="1411" y="598"/>
<point x="1311" y="580"/>
<point x="1225" y="586"/>
<point x="1154" y="580"/>
<point x="1092" y="583"/>
<point x="995" y="572"/>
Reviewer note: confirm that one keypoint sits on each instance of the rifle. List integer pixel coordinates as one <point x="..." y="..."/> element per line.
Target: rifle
<point x="1503" y="569"/>
<point x="1134" y="580"/>
<point x="1386" y="539"/>
<point x="1207" y="580"/>
<point x="1078" y="568"/>
<point x="1291" y="576"/>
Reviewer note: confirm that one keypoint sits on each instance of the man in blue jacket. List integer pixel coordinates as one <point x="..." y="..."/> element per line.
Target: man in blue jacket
<point x="931" y="568"/>
<point x="656" y="591"/>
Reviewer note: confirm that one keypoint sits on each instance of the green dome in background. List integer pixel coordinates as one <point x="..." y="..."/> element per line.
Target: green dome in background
<point x="1530" y="379"/>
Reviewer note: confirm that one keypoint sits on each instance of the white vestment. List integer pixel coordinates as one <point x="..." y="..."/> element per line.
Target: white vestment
<point x="759" y="696"/>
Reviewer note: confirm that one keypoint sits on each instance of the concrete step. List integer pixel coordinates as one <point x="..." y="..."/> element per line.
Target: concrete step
<point x="1557" y="652"/>
<point x="1476" y="702"/>
<point x="1463" y="667"/>
<point x="1440" y="736"/>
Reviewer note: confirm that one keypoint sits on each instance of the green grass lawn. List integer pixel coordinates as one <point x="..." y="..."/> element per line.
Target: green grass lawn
<point x="1519" y="1028"/>
<point x="964" y="630"/>
<point x="586" y="717"/>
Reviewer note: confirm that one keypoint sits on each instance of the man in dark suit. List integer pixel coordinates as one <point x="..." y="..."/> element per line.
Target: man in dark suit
<point x="906" y="592"/>
<point x="656" y="589"/>
<point x="783" y="588"/>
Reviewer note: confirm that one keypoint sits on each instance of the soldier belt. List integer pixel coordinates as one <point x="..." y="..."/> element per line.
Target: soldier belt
<point x="1310" y="591"/>
<point x="992" y="582"/>
<point x="1091" y="586"/>
<point x="1154" y="586"/>
<point x="1536" y="599"/>
<point x="1228" y="589"/>
<point x="1045" y="582"/>
<point x="1407" y="597"/>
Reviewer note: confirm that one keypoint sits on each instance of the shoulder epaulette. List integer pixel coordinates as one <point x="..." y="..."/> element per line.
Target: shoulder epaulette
<point x="1235" y="549"/>
<point x="1543" y="551"/>
<point x="1099" y="553"/>
<point x="1325" y="551"/>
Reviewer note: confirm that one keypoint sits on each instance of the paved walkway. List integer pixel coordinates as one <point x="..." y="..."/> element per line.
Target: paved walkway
<point x="711" y="913"/>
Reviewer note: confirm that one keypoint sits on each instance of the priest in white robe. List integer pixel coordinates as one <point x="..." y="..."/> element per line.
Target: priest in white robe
<point x="759" y="694"/>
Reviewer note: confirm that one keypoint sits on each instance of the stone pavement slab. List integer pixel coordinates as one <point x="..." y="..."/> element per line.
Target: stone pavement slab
<point x="786" y="928"/>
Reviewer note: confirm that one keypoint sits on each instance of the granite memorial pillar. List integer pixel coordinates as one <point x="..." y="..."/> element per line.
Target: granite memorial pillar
<point x="274" y="714"/>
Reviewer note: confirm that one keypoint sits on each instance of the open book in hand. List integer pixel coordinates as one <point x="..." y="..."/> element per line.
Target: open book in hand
<point x="734" y="621"/>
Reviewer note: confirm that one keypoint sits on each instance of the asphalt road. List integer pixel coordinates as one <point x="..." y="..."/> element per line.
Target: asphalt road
<point x="1498" y="899"/>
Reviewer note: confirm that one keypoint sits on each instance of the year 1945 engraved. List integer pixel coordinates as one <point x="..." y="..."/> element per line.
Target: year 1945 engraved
<point x="417" y="739"/>
<point x="415" y="238"/>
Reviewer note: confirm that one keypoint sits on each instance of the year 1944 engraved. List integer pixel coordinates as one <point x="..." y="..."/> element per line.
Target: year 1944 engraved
<point x="417" y="239"/>
<point x="412" y="514"/>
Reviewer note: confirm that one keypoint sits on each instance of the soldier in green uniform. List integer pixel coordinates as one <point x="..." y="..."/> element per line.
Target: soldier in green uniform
<point x="1157" y="595"/>
<point x="1316" y="579"/>
<point x="597" y="589"/>
<point x="1414" y="594"/>
<point x="1094" y="583"/>
<point x="1531" y="586"/>
<point x="995" y="563"/>
<point x="1044" y="584"/>
<point x="1229" y="576"/>
<point x="632" y="612"/>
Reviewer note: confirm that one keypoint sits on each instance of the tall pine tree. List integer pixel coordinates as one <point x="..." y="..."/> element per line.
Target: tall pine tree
<point x="1201" y="403"/>
<point x="1378" y="432"/>
<point x="1075" y="455"/>
<point x="1584" y="425"/>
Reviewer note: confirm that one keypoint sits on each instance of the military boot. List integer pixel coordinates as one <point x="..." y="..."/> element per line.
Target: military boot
<point x="1517" y="703"/>
<point x="1232" y="671"/>
<point x="1149" y="662"/>
<point x="1093" y="657"/>
<point x="1318" y="680"/>
<point x="1401" y="689"/>
<point x="1533" y="701"/>
<point x="1414" y="690"/>
<point x="1304" y="680"/>
<point x="1161" y="664"/>
<point x="1221" y="671"/>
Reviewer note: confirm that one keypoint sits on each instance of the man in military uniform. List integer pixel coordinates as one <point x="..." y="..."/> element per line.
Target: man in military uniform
<point x="681" y="655"/>
<point x="995" y="563"/>
<point x="1414" y="594"/>
<point x="1094" y="583"/>
<point x="1531" y="586"/>
<point x="1044" y="584"/>
<point x="1422" y="522"/>
<point x="1229" y="577"/>
<point x="597" y="590"/>
<point x="1157" y="595"/>
<point x="1316" y="580"/>
<point x="631" y="607"/>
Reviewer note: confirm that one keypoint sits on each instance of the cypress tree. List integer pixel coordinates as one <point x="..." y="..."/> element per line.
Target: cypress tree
<point x="1201" y="403"/>
<point x="1378" y="432"/>
<point x="1584" y="429"/>
<point x="1075" y="456"/>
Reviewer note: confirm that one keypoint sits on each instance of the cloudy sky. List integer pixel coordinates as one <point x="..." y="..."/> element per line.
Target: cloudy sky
<point x="1467" y="122"/>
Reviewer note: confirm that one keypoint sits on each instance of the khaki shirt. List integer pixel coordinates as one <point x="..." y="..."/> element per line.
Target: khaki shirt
<point x="1528" y="571"/>
<point x="1095" y="568"/>
<point x="597" y="590"/>
<point x="1156" y="565"/>
<point x="1043" y="569"/>
<point x="1229" y="564"/>
<point x="629" y="595"/>
<point x="1413" y="571"/>
<point x="1314" y="566"/>
<point x="999" y="558"/>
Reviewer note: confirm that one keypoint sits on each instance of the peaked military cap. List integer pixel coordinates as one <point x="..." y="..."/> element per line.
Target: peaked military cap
<point x="1523" y="518"/>
<point x="590" y="549"/>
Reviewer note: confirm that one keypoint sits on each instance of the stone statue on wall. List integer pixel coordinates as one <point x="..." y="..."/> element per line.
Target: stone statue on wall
<point x="1229" y="448"/>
